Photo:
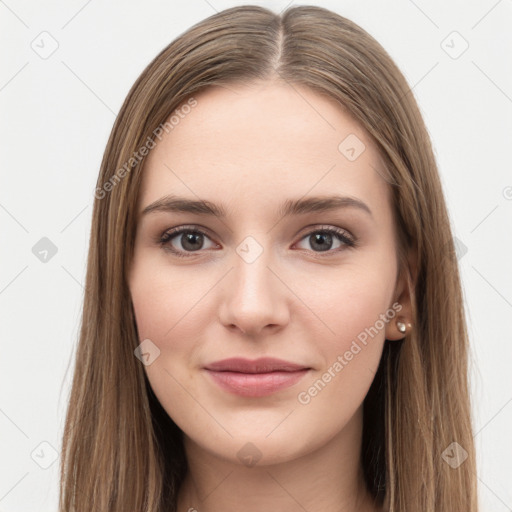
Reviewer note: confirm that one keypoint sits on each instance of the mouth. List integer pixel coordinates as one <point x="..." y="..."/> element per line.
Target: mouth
<point x="260" y="377"/>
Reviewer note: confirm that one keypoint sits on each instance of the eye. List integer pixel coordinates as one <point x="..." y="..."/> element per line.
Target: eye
<point x="322" y="240"/>
<point x="190" y="239"/>
<point x="185" y="239"/>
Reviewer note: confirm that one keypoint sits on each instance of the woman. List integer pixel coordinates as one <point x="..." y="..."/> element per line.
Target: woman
<point x="273" y="316"/>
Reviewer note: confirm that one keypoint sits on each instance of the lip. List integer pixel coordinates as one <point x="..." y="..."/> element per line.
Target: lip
<point x="261" y="365"/>
<point x="255" y="378"/>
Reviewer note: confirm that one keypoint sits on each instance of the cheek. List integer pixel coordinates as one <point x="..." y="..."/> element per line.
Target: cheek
<point x="348" y="302"/>
<point x="164" y="301"/>
<point x="354" y="311"/>
<point x="168" y="312"/>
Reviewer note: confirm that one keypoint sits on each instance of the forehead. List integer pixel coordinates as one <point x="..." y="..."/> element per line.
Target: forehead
<point x="263" y="143"/>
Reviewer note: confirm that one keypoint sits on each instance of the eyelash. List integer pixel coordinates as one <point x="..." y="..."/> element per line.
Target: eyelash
<point x="167" y="236"/>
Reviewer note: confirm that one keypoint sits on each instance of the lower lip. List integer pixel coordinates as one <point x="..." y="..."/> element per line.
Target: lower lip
<point x="256" y="384"/>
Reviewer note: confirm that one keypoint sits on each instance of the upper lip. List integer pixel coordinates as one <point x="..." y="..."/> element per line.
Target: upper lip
<point x="262" y="365"/>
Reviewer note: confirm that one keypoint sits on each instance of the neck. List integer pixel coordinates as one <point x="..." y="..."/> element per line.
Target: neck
<point x="328" y="479"/>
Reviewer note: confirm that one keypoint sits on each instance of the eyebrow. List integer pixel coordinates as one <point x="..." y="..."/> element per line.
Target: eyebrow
<point x="301" y="206"/>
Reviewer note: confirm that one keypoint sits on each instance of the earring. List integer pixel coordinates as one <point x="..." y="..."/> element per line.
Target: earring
<point x="401" y="326"/>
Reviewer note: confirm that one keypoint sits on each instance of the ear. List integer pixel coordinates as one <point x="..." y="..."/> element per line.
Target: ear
<point x="402" y="324"/>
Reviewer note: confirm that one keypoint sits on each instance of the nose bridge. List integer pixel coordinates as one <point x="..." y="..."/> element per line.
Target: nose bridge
<point x="252" y="274"/>
<point x="253" y="297"/>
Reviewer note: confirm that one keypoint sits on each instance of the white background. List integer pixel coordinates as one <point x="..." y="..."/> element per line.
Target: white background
<point x="58" y="112"/>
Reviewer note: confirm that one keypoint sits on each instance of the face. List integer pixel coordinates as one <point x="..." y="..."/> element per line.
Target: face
<point x="263" y="277"/>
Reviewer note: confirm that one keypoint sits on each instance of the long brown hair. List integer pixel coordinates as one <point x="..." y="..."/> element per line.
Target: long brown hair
<point x="121" y="451"/>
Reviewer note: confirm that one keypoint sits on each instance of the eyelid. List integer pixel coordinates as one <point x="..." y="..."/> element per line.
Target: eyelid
<point x="313" y="228"/>
<point x="186" y="227"/>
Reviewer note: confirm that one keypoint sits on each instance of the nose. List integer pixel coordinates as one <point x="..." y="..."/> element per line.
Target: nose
<point x="255" y="299"/>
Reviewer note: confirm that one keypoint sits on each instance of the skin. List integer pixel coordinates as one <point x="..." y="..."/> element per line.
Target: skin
<point x="250" y="148"/>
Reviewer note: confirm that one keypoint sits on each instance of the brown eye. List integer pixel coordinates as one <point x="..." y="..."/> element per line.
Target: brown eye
<point x="184" y="240"/>
<point x="323" y="240"/>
